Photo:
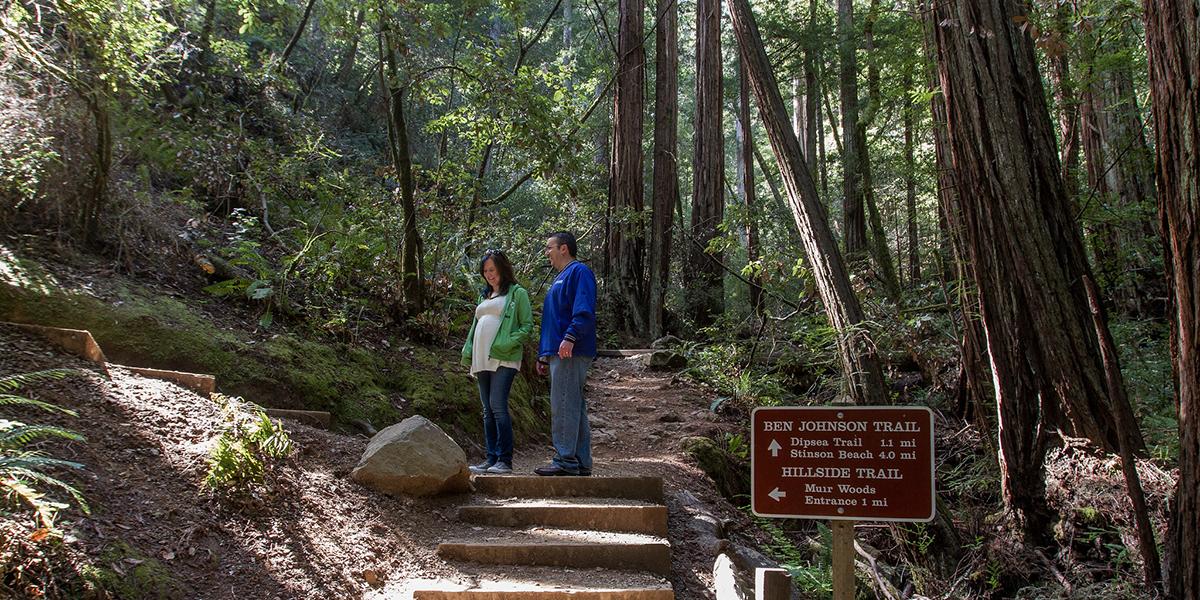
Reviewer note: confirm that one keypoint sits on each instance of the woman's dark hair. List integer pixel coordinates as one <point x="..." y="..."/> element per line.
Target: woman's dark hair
<point x="503" y="267"/>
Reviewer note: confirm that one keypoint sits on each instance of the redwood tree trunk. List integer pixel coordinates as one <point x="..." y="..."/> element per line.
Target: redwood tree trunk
<point x="853" y="215"/>
<point x="746" y="185"/>
<point x="626" y="236"/>
<point x="910" y="186"/>
<point x="1025" y="249"/>
<point x="1173" y="45"/>
<point x="666" y="164"/>
<point x="855" y="348"/>
<point x="706" y="291"/>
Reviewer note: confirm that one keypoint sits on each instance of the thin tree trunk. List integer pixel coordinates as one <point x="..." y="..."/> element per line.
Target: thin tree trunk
<point x="97" y="199"/>
<point x="1173" y="47"/>
<point x="626" y="237"/>
<point x="666" y="163"/>
<point x="860" y="364"/>
<point x="412" y="278"/>
<point x="910" y="185"/>
<point x="291" y="45"/>
<point x="854" y="228"/>
<point x="346" y="70"/>
<point x="746" y="187"/>
<point x="879" y="247"/>
<point x="1026" y="253"/>
<point x="707" y="295"/>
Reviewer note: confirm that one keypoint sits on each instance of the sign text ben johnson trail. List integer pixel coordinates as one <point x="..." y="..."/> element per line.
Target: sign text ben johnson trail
<point x="870" y="463"/>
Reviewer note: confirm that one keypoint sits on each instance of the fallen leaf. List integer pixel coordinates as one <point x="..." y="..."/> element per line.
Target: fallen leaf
<point x="39" y="534"/>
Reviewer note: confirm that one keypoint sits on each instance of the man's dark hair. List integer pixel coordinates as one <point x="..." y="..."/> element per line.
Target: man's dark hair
<point x="568" y="238"/>
<point x="504" y="268"/>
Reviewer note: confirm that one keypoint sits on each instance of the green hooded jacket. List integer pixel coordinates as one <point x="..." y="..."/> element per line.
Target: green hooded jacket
<point x="516" y="324"/>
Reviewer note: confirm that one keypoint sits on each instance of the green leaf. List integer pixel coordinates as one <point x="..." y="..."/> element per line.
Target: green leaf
<point x="259" y="289"/>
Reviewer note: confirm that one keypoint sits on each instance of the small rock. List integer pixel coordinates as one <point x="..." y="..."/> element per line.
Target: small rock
<point x="597" y="422"/>
<point x="372" y="577"/>
<point x="646" y="408"/>
<point x="670" y="418"/>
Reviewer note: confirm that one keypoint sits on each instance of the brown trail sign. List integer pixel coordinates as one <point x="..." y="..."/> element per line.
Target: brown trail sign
<point x="848" y="462"/>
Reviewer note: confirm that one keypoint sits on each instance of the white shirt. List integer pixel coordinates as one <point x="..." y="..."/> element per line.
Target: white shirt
<point x="488" y="316"/>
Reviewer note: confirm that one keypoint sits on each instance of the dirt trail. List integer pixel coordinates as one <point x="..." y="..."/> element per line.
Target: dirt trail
<point x="312" y="532"/>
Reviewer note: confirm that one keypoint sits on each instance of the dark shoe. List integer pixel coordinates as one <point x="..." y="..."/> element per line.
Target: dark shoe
<point x="481" y="467"/>
<point x="585" y="472"/>
<point x="553" y="471"/>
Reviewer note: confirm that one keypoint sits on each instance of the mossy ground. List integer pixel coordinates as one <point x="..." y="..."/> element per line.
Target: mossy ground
<point x="141" y="328"/>
<point x="123" y="572"/>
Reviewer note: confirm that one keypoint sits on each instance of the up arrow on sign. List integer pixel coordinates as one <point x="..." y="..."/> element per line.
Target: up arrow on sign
<point x="776" y="494"/>
<point x="774" y="447"/>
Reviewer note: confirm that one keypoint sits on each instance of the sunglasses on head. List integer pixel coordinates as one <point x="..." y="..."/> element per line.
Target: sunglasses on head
<point x="493" y="252"/>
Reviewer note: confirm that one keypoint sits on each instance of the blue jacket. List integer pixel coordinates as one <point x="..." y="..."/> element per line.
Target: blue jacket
<point x="569" y="312"/>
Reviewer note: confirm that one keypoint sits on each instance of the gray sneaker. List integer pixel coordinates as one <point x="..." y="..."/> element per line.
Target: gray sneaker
<point x="500" y="468"/>
<point x="481" y="467"/>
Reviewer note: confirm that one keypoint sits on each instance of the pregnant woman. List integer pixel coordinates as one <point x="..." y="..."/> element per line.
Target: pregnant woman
<point x="503" y="321"/>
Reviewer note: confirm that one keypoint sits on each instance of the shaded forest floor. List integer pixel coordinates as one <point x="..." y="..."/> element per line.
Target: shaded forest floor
<point x="308" y="532"/>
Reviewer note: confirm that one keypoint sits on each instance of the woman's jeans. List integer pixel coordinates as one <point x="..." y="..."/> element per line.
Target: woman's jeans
<point x="497" y="424"/>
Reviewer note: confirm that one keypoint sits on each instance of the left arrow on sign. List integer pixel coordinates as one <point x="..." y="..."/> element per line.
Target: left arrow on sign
<point x="776" y="494"/>
<point x="774" y="448"/>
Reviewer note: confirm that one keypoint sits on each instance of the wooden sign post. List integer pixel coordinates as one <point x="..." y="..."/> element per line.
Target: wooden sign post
<point x="845" y="464"/>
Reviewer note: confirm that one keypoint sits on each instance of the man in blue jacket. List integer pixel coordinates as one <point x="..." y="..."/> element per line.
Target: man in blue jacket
<point x="566" y="351"/>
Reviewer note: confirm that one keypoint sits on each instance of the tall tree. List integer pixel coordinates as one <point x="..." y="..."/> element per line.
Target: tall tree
<point x="666" y="163"/>
<point x="1120" y="174"/>
<point x="1173" y="44"/>
<point x="857" y="353"/>
<point x="854" y="228"/>
<point x="745" y="185"/>
<point x="626" y="234"/>
<point x="910" y="179"/>
<point x="412" y="276"/>
<point x="1027" y="256"/>
<point x="706" y="293"/>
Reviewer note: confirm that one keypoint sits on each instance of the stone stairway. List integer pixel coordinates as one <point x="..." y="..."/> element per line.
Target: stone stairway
<point x="583" y="538"/>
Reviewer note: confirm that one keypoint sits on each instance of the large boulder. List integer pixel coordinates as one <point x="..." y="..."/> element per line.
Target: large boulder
<point x="413" y="457"/>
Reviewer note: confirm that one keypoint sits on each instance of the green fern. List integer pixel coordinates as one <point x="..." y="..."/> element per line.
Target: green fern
<point x="24" y="473"/>
<point x="246" y="446"/>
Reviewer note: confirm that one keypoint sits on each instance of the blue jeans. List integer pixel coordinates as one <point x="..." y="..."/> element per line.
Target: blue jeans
<point x="497" y="424"/>
<point x="569" y="429"/>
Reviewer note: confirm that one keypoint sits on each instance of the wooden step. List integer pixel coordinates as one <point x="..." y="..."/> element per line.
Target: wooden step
<point x="654" y="557"/>
<point x="649" y="489"/>
<point x="533" y="594"/>
<point x="199" y="383"/>
<point x="651" y="520"/>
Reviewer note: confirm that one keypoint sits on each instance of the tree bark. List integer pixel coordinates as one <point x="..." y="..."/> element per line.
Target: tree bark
<point x="706" y="293"/>
<point x="97" y="200"/>
<point x="291" y="45"/>
<point x="746" y="187"/>
<point x="910" y="185"/>
<point x="1173" y="47"/>
<point x="857" y="354"/>
<point x="1027" y="256"/>
<point x="411" y="276"/>
<point x="626" y="236"/>
<point x="666" y="163"/>
<point x="346" y="70"/>
<point x="854" y="222"/>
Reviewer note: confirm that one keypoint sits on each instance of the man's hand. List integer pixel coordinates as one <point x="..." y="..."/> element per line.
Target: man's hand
<point x="565" y="349"/>
<point x="542" y="368"/>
